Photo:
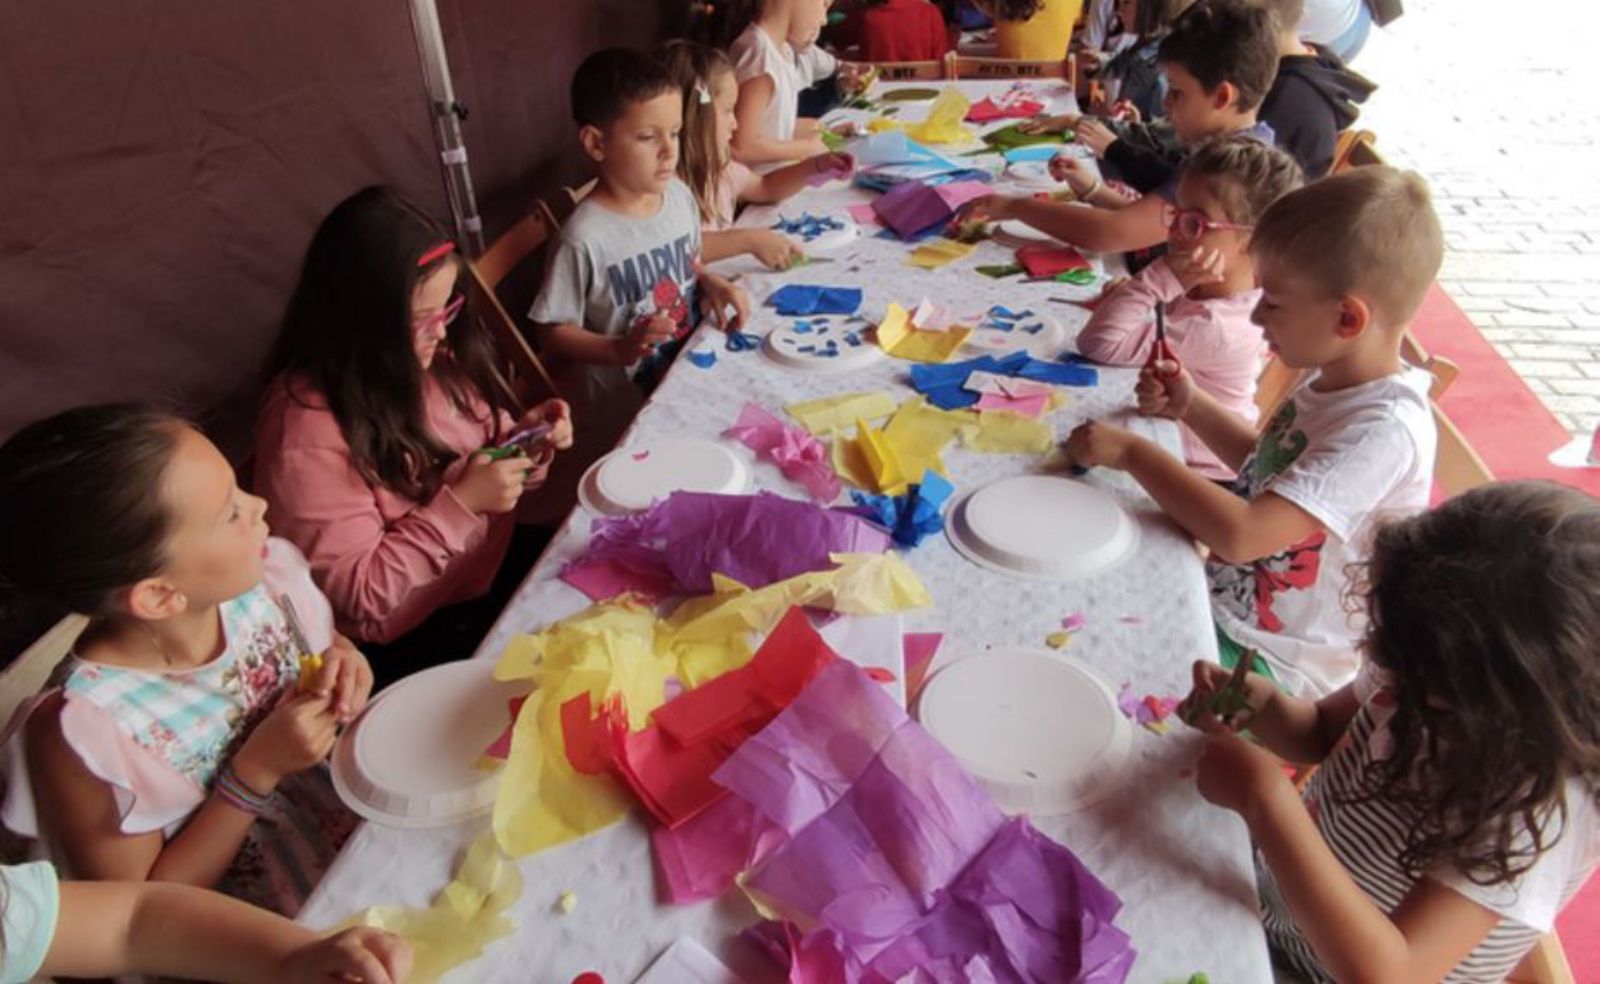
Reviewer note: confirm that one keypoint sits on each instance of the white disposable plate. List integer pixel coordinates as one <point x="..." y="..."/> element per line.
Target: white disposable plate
<point x="1032" y="174"/>
<point x="828" y="241"/>
<point x="630" y="479"/>
<point x="786" y="347"/>
<point x="1041" y="731"/>
<point x="411" y="758"/>
<point x="1020" y="233"/>
<point x="1047" y="343"/>
<point x="1043" y="527"/>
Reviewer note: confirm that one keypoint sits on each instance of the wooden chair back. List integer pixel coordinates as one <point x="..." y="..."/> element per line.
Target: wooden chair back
<point x="973" y="67"/>
<point x="524" y="373"/>
<point x="908" y="71"/>
<point x="1355" y="148"/>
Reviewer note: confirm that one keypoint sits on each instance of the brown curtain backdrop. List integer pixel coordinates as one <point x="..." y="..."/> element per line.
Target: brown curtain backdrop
<point x="162" y="166"/>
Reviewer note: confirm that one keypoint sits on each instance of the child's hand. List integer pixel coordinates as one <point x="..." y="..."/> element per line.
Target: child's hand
<point x="837" y="165"/>
<point x="807" y="127"/>
<point x="364" y="954"/>
<point x="1167" y="391"/>
<point x="556" y="413"/>
<point x="717" y="295"/>
<point x="775" y="251"/>
<point x="1047" y="124"/>
<point x="1198" y="267"/>
<point x="1236" y="774"/>
<point x="645" y="335"/>
<point x="293" y="737"/>
<point x="345" y="677"/>
<point x="1094" y="443"/>
<point x="1209" y="680"/>
<point x="1094" y="134"/>
<point x="986" y="208"/>
<point x="488" y="486"/>
<point x="1074" y="173"/>
<point x="856" y="78"/>
<point x="1125" y="111"/>
<point x="1112" y="286"/>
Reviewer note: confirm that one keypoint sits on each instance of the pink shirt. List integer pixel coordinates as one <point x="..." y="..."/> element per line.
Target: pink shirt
<point x="1213" y="338"/>
<point x="732" y="184"/>
<point x="386" y="562"/>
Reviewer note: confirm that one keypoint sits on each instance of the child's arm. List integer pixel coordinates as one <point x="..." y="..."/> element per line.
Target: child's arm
<point x="1428" y="934"/>
<point x="1122" y="327"/>
<point x="752" y="144"/>
<point x="1100" y="230"/>
<point x="775" y="186"/>
<point x="577" y="344"/>
<point x="1171" y="392"/>
<point x="774" y="250"/>
<point x="84" y="822"/>
<point x="106" y="928"/>
<point x="1237" y="530"/>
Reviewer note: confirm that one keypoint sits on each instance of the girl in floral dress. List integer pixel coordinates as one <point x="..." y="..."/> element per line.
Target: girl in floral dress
<point x="179" y="741"/>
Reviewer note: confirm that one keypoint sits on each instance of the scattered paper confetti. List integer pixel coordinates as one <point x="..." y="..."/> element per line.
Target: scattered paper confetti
<point x="1150" y="711"/>
<point x="1058" y="640"/>
<point x="1074" y="622"/>
<point x="704" y="358"/>
<point x="567" y="903"/>
<point x="1000" y="271"/>
<point x="809" y="228"/>
<point x="739" y="341"/>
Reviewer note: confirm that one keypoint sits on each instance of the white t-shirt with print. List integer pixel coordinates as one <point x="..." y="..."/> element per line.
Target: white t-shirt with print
<point x="1367" y="836"/>
<point x="1350" y="458"/>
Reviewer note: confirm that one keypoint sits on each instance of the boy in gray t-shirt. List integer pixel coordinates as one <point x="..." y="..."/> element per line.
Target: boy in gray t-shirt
<point x="624" y="278"/>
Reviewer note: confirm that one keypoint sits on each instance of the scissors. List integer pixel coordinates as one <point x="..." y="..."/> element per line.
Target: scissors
<point x="1160" y="351"/>
<point x="1233" y="699"/>
<point x="310" y="662"/>
<point x="519" y="444"/>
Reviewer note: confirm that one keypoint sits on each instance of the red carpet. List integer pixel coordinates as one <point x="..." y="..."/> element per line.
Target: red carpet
<point x="1512" y="431"/>
<point x="1499" y="415"/>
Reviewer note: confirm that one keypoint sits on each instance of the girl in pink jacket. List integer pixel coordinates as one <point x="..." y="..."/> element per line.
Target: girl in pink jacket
<point x="383" y="393"/>
<point x="1206" y="283"/>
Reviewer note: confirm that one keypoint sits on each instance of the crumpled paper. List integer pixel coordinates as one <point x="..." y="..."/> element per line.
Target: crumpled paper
<point x="900" y="859"/>
<point x="801" y="299"/>
<point x="912" y="516"/>
<point x="802" y="458"/>
<point x="903" y="340"/>
<point x="466" y="916"/>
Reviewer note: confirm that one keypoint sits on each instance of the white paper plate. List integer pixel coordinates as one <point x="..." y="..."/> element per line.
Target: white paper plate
<point x="789" y="348"/>
<point x="630" y="479"/>
<point x="1046" y="343"/>
<point x="1032" y="174"/>
<point x="1019" y="233"/>
<point x="827" y="241"/>
<point x="1041" y="731"/>
<point x="411" y="758"/>
<point x="1043" y="527"/>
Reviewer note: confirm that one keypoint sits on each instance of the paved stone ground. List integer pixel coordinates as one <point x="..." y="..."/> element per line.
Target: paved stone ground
<point x="1498" y="104"/>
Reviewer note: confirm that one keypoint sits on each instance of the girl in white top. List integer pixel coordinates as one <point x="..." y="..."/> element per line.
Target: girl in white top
<point x="97" y="929"/>
<point x="771" y="75"/>
<point x="720" y="183"/>
<point x="1454" y="811"/>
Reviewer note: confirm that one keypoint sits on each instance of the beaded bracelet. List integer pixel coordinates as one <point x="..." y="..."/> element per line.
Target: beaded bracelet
<point x="238" y="795"/>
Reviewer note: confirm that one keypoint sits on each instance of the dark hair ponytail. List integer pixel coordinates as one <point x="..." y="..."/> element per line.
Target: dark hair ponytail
<point x="347" y="335"/>
<point x="81" y="510"/>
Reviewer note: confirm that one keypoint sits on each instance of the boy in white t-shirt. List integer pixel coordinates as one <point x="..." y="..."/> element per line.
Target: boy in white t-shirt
<point x="1343" y="265"/>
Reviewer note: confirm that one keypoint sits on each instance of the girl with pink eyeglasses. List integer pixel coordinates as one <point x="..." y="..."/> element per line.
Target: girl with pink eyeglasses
<point x="1204" y="286"/>
<point x="373" y="447"/>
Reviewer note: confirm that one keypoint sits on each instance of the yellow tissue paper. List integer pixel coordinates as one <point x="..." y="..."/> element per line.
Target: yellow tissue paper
<point x="465" y="917"/>
<point x="1001" y="432"/>
<point x="850" y="463"/>
<point x="932" y="256"/>
<point x="833" y="412"/>
<point x="921" y="431"/>
<point x="882" y="462"/>
<point x="898" y="337"/>
<point x="942" y="125"/>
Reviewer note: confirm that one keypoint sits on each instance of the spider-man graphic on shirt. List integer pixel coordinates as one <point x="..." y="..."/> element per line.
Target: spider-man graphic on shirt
<point x="1249" y="590"/>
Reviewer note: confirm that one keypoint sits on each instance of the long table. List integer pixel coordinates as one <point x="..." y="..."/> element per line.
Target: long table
<point x="1182" y="868"/>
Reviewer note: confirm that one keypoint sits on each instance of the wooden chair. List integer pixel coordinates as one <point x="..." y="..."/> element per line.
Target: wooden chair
<point x="1456" y="466"/>
<point x="524" y="371"/>
<point x="26" y="676"/>
<point x="1355" y="148"/>
<point x="971" y="67"/>
<point x="1546" y="963"/>
<point x="908" y="71"/>
<point x="1273" y="386"/>
<point x="1277" y="379"/>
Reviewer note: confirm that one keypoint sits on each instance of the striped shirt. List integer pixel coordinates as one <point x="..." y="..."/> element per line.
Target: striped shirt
<point x="1367" y="838"/>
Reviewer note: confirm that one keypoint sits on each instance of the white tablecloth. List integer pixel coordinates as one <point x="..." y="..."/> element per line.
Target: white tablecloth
<point x="1182" y="868"/>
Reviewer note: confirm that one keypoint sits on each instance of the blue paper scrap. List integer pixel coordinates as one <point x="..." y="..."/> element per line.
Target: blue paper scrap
<point x="799" y="299"/>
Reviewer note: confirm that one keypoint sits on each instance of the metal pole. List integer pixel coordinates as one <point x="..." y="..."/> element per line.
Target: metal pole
<point x="447" y="117"/>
